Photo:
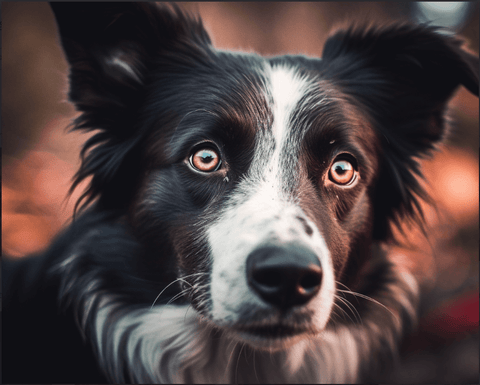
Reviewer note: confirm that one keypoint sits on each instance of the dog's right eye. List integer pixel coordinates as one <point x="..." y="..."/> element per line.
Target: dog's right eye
<point x="342" y="172"/>
<point x="205" y="159"/>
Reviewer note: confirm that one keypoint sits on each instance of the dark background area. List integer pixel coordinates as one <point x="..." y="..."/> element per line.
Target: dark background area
<point x="39" y="157"/>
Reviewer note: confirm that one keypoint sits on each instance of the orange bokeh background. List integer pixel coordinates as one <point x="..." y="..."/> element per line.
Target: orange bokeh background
<point x="39" y="157"/>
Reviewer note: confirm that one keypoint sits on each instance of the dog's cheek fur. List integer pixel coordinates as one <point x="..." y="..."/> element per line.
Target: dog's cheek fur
<point x="170" y="218"/>
<point x="318" y="212"/>
<point x="343" y="215"/>
<point x="194" y="265"/>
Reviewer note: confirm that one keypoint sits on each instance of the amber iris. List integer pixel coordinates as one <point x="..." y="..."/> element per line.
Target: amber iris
<point x="205" y="159"/>
<point x="342" y="172"/>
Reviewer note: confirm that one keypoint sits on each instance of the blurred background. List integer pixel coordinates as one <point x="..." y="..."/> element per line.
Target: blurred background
<point x="39" y="157"/>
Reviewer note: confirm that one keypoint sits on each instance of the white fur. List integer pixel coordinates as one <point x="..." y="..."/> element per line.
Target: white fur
<point x="260" y="212"/>
<point x="173" y="344"/>
<point x="169" y="344"/>
<point x="157" y="346"/>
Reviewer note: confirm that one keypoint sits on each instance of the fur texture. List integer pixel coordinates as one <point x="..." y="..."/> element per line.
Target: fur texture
<point x="162" y="278"/>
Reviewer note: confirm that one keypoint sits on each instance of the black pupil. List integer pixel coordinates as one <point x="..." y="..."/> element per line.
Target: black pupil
<point x="206" y="157"/>
<point x="340" y="169"/>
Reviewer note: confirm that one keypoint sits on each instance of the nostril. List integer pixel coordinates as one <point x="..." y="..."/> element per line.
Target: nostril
<point x="311" y="280"/>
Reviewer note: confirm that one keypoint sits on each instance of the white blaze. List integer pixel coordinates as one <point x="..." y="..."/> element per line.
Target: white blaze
<point x="258" y="212"/>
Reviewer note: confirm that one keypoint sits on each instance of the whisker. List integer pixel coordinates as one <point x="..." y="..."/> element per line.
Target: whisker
<point x="238" y="360"/>
<point x="344" y="313"/>
<point x="231" y="354"/>
<point x="340" y="283"/>
<point x="177" y="296"/>
<point x="335" y="315"/>
<point x="371" y="300"/>
<point x="254" y="368"/>
<point x="166" y="287"/>
<point x="186" y="311"/>
<point x="350" y="306"/>
<point x="181" y="279"/>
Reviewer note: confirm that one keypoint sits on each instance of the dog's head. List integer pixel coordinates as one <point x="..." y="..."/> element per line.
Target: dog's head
<point x="264" y="180"/>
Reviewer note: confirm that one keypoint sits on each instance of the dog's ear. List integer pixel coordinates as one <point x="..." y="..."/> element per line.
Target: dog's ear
<point x="111" y="49"/>
<point x="402" y="76"/>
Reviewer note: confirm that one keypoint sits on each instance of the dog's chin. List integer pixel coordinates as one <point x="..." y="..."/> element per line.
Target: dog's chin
<point x="270" y="338"/>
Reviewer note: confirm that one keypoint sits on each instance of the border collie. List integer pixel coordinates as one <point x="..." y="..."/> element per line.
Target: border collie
<point x="235" y="224"/>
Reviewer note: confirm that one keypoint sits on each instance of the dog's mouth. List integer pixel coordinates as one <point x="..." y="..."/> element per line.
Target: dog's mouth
<point x="275" y="331"/>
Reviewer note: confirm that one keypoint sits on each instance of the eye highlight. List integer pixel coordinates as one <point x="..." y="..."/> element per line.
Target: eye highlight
<point x="342" y="172"/>
<point x="205" y="159"/>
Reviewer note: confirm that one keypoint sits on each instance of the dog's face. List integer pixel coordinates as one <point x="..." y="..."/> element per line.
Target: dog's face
<point x="264" y="185"/>
<point x="263" y="181"/>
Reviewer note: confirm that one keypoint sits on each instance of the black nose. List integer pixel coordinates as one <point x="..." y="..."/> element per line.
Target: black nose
<point x="284" y="276"/>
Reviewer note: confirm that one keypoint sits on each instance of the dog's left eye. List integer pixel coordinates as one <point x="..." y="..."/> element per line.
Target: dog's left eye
<point x="342" y="172"/>
<point x="205" y="159"/>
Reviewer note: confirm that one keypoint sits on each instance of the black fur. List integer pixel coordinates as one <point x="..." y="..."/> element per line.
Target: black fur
<point x="391" y="84"/>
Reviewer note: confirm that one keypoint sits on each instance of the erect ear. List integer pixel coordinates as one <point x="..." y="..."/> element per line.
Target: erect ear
<point x="112" y="48"/>
<point x="402" y="76"/>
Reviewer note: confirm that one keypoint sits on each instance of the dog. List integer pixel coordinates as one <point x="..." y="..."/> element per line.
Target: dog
<point x="236" y="223"/>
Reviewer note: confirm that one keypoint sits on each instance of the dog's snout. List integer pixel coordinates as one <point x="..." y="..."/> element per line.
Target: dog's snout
<point x="284" y="276"/>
